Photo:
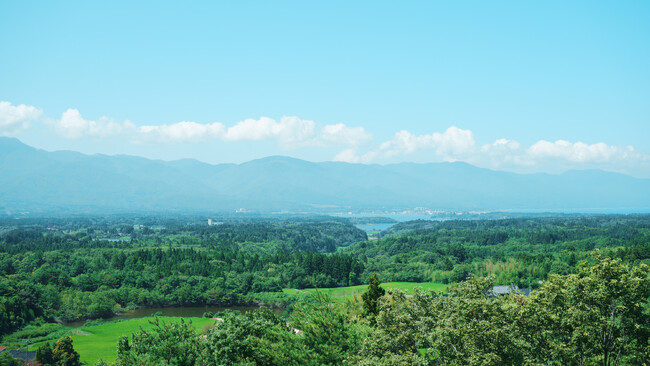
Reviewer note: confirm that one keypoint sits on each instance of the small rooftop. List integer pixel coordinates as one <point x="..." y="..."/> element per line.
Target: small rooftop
<point x="23" y="355"/>
<point x="507" y="289"/>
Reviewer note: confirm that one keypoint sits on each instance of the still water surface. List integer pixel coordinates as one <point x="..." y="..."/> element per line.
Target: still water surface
<point x="373" y="227"/>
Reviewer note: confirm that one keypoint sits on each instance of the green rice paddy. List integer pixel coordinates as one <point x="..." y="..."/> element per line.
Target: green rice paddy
<point x="100" y="341"/>
<point x="341" y="293"/>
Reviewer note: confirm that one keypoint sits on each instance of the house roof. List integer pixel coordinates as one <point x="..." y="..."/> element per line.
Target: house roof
<point x="506" y="289"/>
<point x="23" y="355"/>
<point x="2" y="348"/>
<point x="502" y="289"/>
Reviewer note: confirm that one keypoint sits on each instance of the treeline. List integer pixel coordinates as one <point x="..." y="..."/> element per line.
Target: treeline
<point x="618" y="223"/>
<point x="318" y="237"/>
<point x="519" y="251"/>
<point x="321" y="236"/>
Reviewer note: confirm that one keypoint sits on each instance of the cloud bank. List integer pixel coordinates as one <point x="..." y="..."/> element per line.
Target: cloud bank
<point x="355" y="144"/>
<point x="288" y="132"/>
<point x="456" y="144"/>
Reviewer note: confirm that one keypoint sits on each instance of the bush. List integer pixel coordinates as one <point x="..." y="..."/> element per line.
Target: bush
<point x="45" y="332"/>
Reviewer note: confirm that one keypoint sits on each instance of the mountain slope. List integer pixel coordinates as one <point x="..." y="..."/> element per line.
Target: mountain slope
<point x="38" y="181"/>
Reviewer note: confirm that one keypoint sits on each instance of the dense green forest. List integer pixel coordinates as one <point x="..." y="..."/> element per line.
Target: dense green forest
<point x="514" y="251"/>
<point x="74" y="274"/>
<point x="589" y="275"/>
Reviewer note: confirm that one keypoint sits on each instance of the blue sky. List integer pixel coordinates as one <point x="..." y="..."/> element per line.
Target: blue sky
<point x="520" y="86"/>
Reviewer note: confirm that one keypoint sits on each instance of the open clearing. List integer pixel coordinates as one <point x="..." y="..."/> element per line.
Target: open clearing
<point x="100" y="341"/>
<point x="341" y="293"/>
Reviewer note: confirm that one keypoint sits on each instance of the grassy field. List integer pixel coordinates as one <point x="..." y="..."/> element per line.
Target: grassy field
<point x="100" y="341"/>
<point x="340" y="293"/>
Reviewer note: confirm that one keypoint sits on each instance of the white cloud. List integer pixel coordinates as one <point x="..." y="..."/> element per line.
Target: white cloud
<point x="340" y="134"/>
<point x="350" y="156"/>
<point x="14" y="119"/>
<point x="580" y="152"/>
<point x="500" y="153"/>
<point x="288" y="130"/>
<point x="562" y="155"/>
<point x="456" y="144"/>
<point x="182" y="132"/>
<point x="451" y="145"/>
<point x="347" y="156"/>
<point x="73" y="126"/>
<point x="503" y="144"/>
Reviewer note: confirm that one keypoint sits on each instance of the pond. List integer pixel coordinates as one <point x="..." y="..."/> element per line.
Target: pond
<point x="373" y="227"/>
<point x="183" y="311"/>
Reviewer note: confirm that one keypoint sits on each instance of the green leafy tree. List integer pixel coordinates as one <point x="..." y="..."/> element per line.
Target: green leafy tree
<point x="598" y="316"/>
<point x="327" y="330"/>
<point x="64" y="354"/>
<point x="174" y="343"/>
<point x="371" y="296"/>
<point x="254" y="338"/>
<point x="396" y="337"/>
<point x="44" y="355"/>
<point x="470" y="327"/>
<point x="7" y="360"/>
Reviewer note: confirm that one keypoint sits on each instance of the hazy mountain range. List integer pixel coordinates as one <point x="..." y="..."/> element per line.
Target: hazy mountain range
<point x="37" y="181"/>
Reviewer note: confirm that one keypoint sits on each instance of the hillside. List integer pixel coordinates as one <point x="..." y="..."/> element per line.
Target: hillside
<point x="37" y="181"/>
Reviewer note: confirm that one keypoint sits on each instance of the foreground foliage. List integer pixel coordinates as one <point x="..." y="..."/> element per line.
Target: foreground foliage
<point x="63" y="354"/>
<point x="589" y="304"/>
<point x="597" y="316"/>
<point x="320" y="333"/>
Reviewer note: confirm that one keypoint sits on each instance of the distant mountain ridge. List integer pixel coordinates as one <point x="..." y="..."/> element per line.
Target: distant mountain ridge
<point x="33" y="180"/>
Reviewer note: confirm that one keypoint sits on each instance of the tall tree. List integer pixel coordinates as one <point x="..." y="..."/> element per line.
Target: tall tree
<point x="64" y="354"/>
<point x="371" y="295"/>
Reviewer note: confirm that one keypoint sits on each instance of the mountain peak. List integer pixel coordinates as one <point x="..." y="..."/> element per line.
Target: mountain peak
<point x="10" y="144"/>
<point x="276" y="159"/>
